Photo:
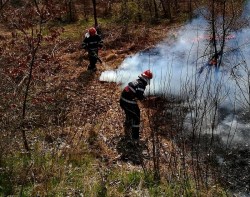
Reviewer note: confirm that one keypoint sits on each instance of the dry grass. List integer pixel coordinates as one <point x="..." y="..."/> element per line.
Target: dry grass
<point x="75" y="153"/>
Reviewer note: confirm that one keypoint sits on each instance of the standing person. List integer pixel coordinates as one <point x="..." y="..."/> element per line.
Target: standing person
<point x="128" y="101"/>
<point x="92" y="43"/>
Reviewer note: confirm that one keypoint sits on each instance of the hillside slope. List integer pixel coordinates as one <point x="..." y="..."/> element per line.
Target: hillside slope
<point x="75" y="130"/>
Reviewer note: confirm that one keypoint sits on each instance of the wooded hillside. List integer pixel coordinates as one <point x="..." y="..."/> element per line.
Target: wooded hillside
<point x="62" y="128"/>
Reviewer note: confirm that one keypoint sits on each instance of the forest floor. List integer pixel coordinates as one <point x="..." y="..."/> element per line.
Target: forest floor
<point x="95" y="114"/>
<point x="91" y="113"/>
<point x="103" y="115"/>
<point x="86" y="118"/>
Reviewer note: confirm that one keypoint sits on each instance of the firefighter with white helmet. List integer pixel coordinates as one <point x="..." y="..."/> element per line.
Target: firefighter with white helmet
<point x="128" y="101"/>
<point x="92" y="43"/>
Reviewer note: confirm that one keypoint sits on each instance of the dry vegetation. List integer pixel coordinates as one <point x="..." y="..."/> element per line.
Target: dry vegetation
<point x="74" y="125"/>
<point x="75" y="128"/>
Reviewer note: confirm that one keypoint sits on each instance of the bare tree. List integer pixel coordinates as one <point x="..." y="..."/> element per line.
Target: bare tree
<point x="28" y="25"/>
<point x="190" y="9"/>
<point x="95" y="14"/>
<point x="156" y="9"/>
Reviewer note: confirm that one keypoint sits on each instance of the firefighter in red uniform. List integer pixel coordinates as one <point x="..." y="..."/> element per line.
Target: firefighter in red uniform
<point x="92" y="42"/>
<point x="131" y="93"/>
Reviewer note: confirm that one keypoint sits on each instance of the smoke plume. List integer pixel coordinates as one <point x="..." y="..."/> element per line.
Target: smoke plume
<point x="180" y="68"/>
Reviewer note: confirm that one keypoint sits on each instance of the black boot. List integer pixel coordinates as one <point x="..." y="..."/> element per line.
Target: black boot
<point x="135" y="135"/>
<point x="127" y="130"/>
<point x="89" y="67"/>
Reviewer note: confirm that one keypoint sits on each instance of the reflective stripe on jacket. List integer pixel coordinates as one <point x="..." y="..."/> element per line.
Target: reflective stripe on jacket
<point x="133" y="91"/>
<point x="92" y="43"/>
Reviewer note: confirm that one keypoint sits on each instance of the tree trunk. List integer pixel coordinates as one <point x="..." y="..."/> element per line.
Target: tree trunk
<point x="169" y="10"/>
<point x="95" y="14"/>
<point x="214" y="43"/>
<point x="164" y="8"/>
<point x="190" y="10"/>
<point x="156" y="10"/>
<point x="70" y="11"/>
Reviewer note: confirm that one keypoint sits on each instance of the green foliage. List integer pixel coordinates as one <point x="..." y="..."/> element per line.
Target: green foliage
<point x="171" y="189"/>
<point x="101" y="190"/>
<point x="149" y="180"/>
<point x="76" y="31"/>
<point x="12" y="172"/>
<point x="75" y="172"/>
<point x="46" y="172"/>
<point x="6" y="186"/>
<point x="132" y="179"/>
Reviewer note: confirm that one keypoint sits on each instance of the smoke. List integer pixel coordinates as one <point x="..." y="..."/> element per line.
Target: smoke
<point x="168" y="62"/>
<point x="176" y="63"/>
